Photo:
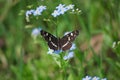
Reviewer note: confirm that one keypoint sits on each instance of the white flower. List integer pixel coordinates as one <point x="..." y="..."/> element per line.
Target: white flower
<point x="104" y="79"/>
<point x="87" y="78"/>
<point x="50" y="51"/>
<point x="61" y="9"/>
<point x="39" y="10"/>
<point x="29" y="12"/>
<point x="35" y="32"/>
<point x="60" y="6"/>
<point x="69" y="56"/>
<point x="95" y="78"/>
<point x="71" y="6"/>
<point x="73" y="47"/>
<point x="55" y="13"/>
<point x="36" y="12"/>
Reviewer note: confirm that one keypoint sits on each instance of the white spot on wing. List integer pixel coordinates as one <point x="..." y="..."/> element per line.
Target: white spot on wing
<point x="71" y="34"/>
<point x="68" y="38"/>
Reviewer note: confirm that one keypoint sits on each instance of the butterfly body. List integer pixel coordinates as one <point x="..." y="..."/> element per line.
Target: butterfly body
<point x="63" y="43"/>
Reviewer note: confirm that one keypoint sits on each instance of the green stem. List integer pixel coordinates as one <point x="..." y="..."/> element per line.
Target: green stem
<point x="63" y="67"/>
<point x="56" y="28"/>
<point x="64" y="74"/>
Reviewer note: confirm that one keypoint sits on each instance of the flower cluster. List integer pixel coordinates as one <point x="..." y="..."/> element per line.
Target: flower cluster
<point x="69" y="56"/>
<point x="36" y="12"/>
<point x="93" y="78"/>
<point x="61" y="9"/>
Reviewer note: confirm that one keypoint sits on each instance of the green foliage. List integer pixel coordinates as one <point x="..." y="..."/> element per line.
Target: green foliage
<point x="23" y="58"/>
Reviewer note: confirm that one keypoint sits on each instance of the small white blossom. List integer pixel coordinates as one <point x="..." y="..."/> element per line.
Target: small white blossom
<point x="60" y="6"/>
<point x="104" y="79"/>
<point x="87" y="78"/>
<point x="35" y="32"/>
<point x="39" y="10"/>
<point x="50" y="51"/>
<point x="69" y="56"/>
<point x="71" y="6"/>
<point x="73" y="47"/>
<point x="61" y="9"/>
<point x="55" y="13"/>
<point x="95" y="78"/>
<point x="36" y="12"/>
<point x="29" y="12"/>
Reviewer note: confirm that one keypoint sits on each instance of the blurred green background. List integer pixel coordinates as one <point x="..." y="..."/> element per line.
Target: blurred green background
<point x="23" y="58"/>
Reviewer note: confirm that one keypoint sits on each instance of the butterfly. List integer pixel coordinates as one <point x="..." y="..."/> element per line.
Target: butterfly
<point x="63" y="43"/>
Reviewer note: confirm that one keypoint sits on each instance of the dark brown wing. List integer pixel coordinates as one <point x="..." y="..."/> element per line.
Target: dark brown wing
<point x="51" y="40"/>
<point x="66" y="41"/>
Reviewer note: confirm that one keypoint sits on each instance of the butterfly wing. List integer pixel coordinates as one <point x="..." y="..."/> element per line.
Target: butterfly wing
<point x="51" y="40"/>
<point x="66" y="41"/>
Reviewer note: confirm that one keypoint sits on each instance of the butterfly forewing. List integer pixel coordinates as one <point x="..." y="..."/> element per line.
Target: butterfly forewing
<point x="51" y="40"/>
<point x="66" y="46"/>
<point x="66" y="41"/>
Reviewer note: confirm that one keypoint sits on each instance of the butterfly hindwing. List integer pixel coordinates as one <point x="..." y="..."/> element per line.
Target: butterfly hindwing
<point x="51" y="40"/>
<point x="66" y="41"/>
